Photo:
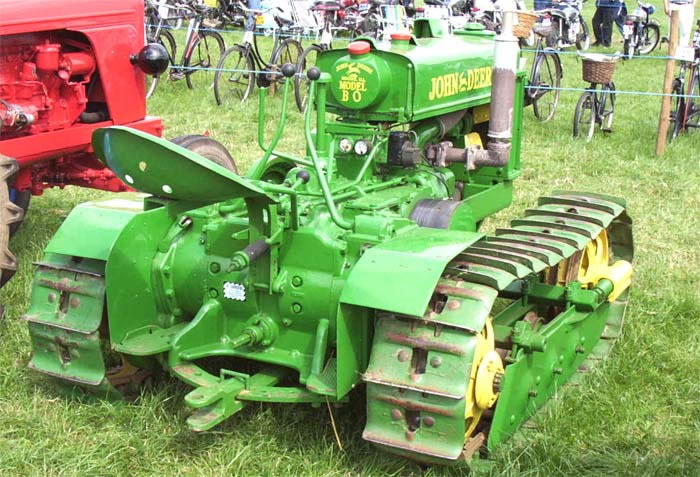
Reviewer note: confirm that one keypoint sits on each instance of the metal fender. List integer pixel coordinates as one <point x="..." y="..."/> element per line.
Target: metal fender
<point x="92" y="228"/>
<point x="400" y="275"/>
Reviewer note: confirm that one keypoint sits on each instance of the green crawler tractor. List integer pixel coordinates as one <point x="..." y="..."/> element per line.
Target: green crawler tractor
<point x="358" y="263"/>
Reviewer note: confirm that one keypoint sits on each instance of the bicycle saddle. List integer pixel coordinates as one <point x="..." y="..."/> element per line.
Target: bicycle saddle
<point x="648" y="7"/>
<point x="326" y="6"/>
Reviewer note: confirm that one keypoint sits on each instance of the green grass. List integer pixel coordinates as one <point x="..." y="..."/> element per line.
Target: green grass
<point x="639" y="414"/>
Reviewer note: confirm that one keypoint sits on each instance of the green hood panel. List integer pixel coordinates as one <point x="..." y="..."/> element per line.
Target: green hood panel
<point x="400" y="275"/>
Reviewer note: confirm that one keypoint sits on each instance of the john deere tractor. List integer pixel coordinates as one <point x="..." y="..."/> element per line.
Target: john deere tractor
<point x="359" y="263"/>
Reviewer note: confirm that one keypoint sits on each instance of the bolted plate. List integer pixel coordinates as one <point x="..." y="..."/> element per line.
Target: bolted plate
<point x="159" y="167"/>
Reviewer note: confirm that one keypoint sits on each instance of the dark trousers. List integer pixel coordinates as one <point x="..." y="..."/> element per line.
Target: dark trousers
<point x="620" y="18"/>
<point x="602" y="24"/>
<point x="542" y="4"/>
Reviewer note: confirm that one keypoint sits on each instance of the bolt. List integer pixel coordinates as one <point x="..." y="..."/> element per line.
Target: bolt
<point x="428" y="421"/>
<point x="287" y="322"/>
<point x="409" y="435"/>
<point x="532" y="393"/>
<point x="213" y="292"/>
<point x="52" y="297"/>
<point x="396" y="414"/>
<point x="580" y="349"/>
<point x="296" y="307"/>
<point x="214" y="267"/>
<point x="557" y="370"/>
<point x="402" y="355"/>
<point x="512" y="418"/>
<point x="453" y="304"/>
<point x="75" y="302"/>
<point x="297" y="281"/>
<point x="436" y="362"/>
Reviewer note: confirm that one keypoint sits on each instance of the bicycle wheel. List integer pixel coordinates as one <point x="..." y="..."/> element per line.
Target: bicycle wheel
<point x="203" y="56"/>
<point x="692" y="108"/>
<point x="546" y="78"/>
<point x="677" y="110"/>
<point x="235" y="75"/>
<point x="166" y="39"/>
<point x="288" y="51"/>
<point x="584" y="117"/>
<point x="301" y="83"/>
<point x="607" y="107"/>
<point x="649" y="39"/>
<point x="583" y="39"/>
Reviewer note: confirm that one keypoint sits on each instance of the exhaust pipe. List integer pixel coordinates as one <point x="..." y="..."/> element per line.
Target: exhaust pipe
<point x="497" y="152"/>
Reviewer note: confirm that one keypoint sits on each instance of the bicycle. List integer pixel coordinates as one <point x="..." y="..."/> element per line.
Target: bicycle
<point x="545" y="77"/>
<point x="596" y="105"/>
<point x="235" y="72"/>
<point x="686" y="107"/>
<point x="203" y="48"/>
<point x="308" y="57"/>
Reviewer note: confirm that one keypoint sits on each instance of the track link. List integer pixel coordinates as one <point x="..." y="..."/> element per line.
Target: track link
<point x="418" y="378"/>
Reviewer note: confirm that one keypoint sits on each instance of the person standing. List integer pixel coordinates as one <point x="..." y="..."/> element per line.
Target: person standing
<point x="605" y="13"/>
<point x="686" y="11"/>
<point x="620" y="18"/>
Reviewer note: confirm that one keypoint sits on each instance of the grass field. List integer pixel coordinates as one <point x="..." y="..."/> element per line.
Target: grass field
<point x="639" y="414"/>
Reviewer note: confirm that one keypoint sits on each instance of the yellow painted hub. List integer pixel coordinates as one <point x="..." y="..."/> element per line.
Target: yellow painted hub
<point x="595" y="258"/>
<point x="487" y="365"/>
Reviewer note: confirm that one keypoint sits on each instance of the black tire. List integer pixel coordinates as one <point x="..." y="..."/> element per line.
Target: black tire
<point x="205" y="54"/>
<point x="546" y="74"/>
<point x="207" y="148"/>
<point x="584" y="118"/>
<point x="22" y="200"/>
<point x="166" y="39"/>
<point x="649" y="39"/>
<point x="677" y="110"/>
<point x="692" y="108"/>
<point x="607" y="107"/>
<point x="583" y="39"/>
<point x="288" y="51"/>
<point x="301" y="82"/>
<point x="10" y="214"/>
<point x="235" y="76"/>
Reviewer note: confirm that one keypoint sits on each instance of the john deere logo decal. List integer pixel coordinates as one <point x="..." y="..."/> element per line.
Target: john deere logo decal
<point x="450" y="84"/>
<point x="352" y="83"/>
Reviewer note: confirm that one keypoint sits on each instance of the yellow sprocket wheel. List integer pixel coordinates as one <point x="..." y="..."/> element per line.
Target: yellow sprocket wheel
<point x="487" y="371"/>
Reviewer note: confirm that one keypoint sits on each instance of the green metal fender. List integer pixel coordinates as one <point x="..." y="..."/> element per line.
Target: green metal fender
<point x="92" y="228"/>
<point x="399" y="275"/>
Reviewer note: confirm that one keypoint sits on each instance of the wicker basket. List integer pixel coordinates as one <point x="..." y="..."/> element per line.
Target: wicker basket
<point x="598" y="68"/>
<point x="524" y="26"/>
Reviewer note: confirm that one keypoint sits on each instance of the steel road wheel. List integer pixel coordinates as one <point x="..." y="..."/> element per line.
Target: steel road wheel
<point x="649" y="39"/>
<point x="207" y="148"/>
<point x="235" y="76"/>
<point x="692" y="109"/>
<point x="301" y="82"/>
<point x="10" y="214"/>
<point x="584" y="117"/>
<point x="583" y="39"/>
<point x="547" y="74"/>
<point x="677" y="110"/>
<point x="203" y="57"/>
<point x="607" y="107"/>
<point x="166" y="39"/>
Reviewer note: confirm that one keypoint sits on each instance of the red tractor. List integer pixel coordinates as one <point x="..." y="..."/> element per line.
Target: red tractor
<point x="66" y="69"/>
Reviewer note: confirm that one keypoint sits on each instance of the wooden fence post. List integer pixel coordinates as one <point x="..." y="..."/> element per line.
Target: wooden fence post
<point x="665" y="114"/>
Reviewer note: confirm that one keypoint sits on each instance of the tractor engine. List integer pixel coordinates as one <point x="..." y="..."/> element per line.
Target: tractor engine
<point x="43" y="84"/>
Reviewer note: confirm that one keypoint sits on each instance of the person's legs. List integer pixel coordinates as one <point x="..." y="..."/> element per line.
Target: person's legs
<point x="608" y="15"/>
<point x="685" y="22"/>
<point x="620" y="19"/>
<point x="595" y="23"/>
